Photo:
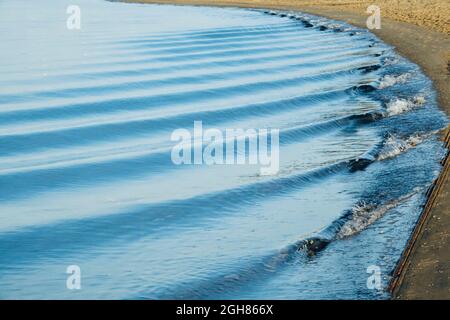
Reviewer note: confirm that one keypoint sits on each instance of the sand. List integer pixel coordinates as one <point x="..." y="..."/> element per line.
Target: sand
<point x="419" y="30"/>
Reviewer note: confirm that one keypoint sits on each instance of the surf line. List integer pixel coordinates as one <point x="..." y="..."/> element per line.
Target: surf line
<point x="234" y="147"/>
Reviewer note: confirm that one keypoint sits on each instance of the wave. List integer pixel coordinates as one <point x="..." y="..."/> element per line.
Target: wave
<point x="164" y="69"/>
<point x="312" y="70"/>
<point x="193" y="72"/>
<point x="390" y="80"/>
<point x="352" y="222"/>
<point x="394" y="145"/>
<point x="399" y="105"/>
<point x="390" y="147"/>
<point x="212" y="286"/>
<point x="160" y="96"/>
<point x="109" y="166"/>
<point x="181" y="35"/>
<point x="184" y="46"/>
<point x="144" y="220"/>
<point x="364" y="214"/>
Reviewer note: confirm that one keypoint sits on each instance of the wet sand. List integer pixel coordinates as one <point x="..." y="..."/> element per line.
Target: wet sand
<point x="419" y="30"/>
<point x="423" y="271"/>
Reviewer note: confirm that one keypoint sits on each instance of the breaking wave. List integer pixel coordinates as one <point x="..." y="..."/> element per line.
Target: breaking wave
<point x="400" y="105"/>
<point x="390" y="80"/>
<point x="393" y="145"/>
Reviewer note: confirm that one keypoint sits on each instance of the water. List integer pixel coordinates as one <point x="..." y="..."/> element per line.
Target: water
<point x="86" y="176"/>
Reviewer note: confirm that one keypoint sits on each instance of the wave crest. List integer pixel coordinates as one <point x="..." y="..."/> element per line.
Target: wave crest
<point x="364" y="214"/>
<point x="399" y="105"/>
<point x="393" y="146"/>
<point x="390" y="80"/>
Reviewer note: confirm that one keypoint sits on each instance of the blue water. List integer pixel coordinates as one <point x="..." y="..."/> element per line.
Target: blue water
<point x="86" y="176"/>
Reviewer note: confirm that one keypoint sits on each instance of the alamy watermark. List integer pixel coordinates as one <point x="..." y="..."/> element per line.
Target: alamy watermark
<point x="374" y="280"/>
<point x="73" y="281"/>
<point x="73" y="21"/>
<point x="231" y="147"/>
<point x="374" y="20"/>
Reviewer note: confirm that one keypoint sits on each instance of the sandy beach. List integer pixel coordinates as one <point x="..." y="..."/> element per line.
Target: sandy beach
<point x="419" y="30"/>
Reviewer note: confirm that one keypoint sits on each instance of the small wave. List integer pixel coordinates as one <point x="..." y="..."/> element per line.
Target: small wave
<point x="392" y="108"/>
<point x="364" y="88"/>
<point x="310" y="21"/>
<point x="391" y="147"/>
<point x="390" y="80"/>
<point x="394" y="145"/>
<point x="353" y="221"/>
<point x="364" y="214"/>
<point x="399" y="105"/>
<point x="370" y="68"/>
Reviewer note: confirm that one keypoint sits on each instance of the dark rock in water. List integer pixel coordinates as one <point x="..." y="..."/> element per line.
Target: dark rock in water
<point x="282" y="15"/>
<point x="267" y="12"/>
<point x="338" y="30"/>
<point x="359" y="164"/>
<point x="352" y="34"/>
<point x="314" y="245"/>
<point x="272" y="13"/>
<point x="371" y="68"/>
<point x="292" y="17"/>
<point x="323" y="28"/>
<point x="307" y="24"/>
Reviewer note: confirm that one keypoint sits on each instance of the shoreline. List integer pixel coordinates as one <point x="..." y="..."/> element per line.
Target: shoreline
<point x="423" y="271"/>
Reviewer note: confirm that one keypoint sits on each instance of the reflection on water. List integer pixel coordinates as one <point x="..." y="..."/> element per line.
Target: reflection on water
<point x="85" y="171"/>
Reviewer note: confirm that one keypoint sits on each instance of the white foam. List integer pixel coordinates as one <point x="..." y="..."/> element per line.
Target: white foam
<point x="398" y="106"/>
<point x="390" y="61"/>
<point x="394" y="146"/>
<point x="365" y="214"/>
<point x="390" y="80"/>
